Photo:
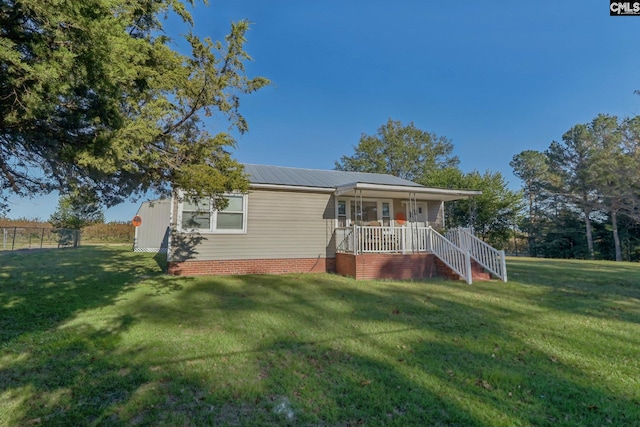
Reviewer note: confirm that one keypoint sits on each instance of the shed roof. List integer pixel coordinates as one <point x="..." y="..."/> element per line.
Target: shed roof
<point x="279" y="175"/>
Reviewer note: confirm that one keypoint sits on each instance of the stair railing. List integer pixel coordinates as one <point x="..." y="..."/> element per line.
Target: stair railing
<point x="454" y="257"/>
<point x="486" y="255"/>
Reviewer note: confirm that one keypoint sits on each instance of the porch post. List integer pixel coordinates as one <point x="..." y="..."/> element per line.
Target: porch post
<point x="356" y="239"/>
<point x="414" y="224"/>
<point x="404" y="239"/>
<point x="409" y="218"/>
<point x="504" y="265"/>
<point x="467" y="262"/>
<point x="464" y="240"/>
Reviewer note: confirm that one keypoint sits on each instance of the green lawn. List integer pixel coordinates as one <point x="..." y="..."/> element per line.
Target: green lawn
<point x="99" y="336"/>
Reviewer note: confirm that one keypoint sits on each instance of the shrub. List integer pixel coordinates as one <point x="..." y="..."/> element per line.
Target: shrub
<point x="114" y="232"/>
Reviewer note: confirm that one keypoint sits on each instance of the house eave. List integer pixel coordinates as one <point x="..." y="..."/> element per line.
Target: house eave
<point x="377" y="190"/>
<point x="398" y="191"/>
<point x="259" y="186"/>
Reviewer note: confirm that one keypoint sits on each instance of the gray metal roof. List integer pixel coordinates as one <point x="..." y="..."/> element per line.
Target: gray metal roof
<point x="279" y="175"/>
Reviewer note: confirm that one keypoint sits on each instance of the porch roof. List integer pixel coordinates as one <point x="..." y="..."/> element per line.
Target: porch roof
<point x="401" y="191"/>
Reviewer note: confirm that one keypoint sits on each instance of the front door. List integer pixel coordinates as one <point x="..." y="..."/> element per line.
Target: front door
<point x="417" y="216"/>
<point x="418" y="213"/>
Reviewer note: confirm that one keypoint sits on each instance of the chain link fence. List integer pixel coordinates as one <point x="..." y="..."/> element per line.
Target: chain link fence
<point x="16" y="238"/>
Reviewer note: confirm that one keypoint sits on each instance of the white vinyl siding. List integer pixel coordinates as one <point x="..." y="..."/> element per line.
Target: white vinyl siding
<point x="435" y="211"/>
<point x="202" y="215"/>
<point x="279" y="224"/>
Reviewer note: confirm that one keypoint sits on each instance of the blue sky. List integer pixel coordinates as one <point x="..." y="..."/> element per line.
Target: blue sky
<point x="495" y="77"/>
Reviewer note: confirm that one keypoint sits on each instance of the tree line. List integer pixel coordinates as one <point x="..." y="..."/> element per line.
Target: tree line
<point x="583" y="192"/>
<point x="580" y="197"/>
<point x="426" y="158"/>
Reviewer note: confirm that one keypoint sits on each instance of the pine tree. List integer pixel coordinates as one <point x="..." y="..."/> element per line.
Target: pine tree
<point x="93" y="95"/>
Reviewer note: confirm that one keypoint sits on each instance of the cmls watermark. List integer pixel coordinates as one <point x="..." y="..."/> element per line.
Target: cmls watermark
<point x="624" y="8"/>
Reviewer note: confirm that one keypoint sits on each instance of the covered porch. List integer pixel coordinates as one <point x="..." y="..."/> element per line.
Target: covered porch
<point x="410" y="251"/>
<point x="404" y="239"/>
<point x="392" y="232"/>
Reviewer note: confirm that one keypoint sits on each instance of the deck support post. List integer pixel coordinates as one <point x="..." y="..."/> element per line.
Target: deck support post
<point x="503" y="261"/>
<point x="467" y="262"/>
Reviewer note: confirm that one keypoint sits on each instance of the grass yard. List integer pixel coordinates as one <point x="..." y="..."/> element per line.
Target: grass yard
<point x="99" y="336"/>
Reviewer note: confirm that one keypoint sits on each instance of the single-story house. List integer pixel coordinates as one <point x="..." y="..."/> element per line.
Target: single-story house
<point x="364" y="225"/>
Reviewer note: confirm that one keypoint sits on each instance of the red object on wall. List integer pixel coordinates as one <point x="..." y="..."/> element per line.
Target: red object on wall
<point x="137" y="221"/>
<point x="401" y="218"/>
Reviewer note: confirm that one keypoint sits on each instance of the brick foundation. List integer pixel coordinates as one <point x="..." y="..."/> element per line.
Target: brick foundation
<point x="392" y="266"/>
<point x="252" y="266"/>
<point x="363" y="266"/>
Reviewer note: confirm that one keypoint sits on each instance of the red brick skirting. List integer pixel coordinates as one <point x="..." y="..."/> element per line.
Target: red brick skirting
<point x="392" y="266"/>
<point x="363" y="266"/>
<point x="252" y="266"/>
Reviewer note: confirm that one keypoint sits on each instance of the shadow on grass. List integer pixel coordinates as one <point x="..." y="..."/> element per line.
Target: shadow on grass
<point x="432" y="359"/>
<point x="305" y="350"/>
<point x="55" y="371"/>
<point x="82" y="377"/>
<point x="595" y="288"/>
<point x="432" y="384"/>
<point x="161" y="259"/>
<point x="42" y="289"/>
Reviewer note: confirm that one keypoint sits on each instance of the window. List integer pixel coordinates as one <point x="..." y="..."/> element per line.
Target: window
<point x="367" y="212"/>
<point x="196" y="214"/>
<point x="202" y="215"/>
<point x="231" y="217"/>
<point x="342" y="213"/>
<point x="386" y="214"/>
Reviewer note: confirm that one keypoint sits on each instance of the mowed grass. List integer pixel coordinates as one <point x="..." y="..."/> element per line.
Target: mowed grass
<point x="99" y="336"/>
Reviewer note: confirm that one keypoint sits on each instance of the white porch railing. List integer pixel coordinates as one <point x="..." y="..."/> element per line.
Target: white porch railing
<point x="381" y="239"/>
<point x="366" y="239"/>
<point x="489" y="257"/>
<point x="454" y="257"/>
<point x="408" y="239"/>
<point x="345" y="239"/>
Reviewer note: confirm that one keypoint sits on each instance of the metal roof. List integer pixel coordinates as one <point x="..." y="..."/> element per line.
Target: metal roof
<point x="279" y="175"/>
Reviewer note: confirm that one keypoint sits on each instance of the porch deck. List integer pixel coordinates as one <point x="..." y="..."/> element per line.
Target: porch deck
<point x="424" y="243"/>
<point x="377" y="239"/>
<point x="408" y="239"/>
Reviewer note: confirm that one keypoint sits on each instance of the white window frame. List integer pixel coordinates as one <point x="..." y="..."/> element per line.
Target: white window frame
<point x="213" y="221"/>
<point x="379" y="202"/>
